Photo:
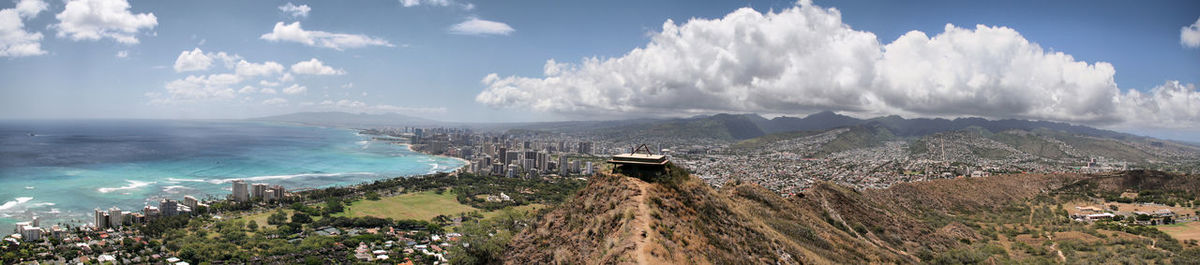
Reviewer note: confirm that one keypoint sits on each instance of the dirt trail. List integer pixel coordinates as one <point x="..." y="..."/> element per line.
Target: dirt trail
<point x="1054" y="246"/>
<point x="641" y="220"/>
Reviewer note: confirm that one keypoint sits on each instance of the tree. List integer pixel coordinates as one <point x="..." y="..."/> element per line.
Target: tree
<point x="278" y="218"/>
<point x="372" y="196"/>
<point x="301" y="218"/>
<point x="252" y="225"/>
<point x="333" y="205"/>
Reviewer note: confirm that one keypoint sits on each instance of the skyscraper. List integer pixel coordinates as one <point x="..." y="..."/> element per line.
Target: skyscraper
<point x="258" y="190"/>
<point x="101" y="219"/>
<point x="115" y="217"/>
<point x="191" y="202"/>
<point x="562" y="165"/>
<point x="169" y="207"/>
<point x="240" y="192"/>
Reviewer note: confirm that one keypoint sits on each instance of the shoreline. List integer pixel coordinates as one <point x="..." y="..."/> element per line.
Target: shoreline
<point x="464" y="161"/>
<point x="409" y="146"/>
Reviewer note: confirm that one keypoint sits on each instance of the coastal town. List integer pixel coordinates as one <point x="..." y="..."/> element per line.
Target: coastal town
<point x="311" y="216"/>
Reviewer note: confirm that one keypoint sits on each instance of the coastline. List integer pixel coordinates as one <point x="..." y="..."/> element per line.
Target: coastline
<point x="464" y="161"/>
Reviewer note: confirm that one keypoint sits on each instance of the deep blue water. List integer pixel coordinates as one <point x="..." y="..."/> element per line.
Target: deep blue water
<point x="68" y="168"/>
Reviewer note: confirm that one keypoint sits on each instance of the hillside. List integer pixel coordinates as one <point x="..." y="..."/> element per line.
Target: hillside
<point x="1004" y="219"/>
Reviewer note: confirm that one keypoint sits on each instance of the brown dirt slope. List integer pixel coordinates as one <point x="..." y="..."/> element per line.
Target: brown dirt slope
<point x="624" y="220"/>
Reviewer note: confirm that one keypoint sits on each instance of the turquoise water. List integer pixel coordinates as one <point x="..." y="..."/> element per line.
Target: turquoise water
<point x="67" y="168"/>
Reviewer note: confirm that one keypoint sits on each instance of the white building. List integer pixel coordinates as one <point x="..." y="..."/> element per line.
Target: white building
<point x="241" y="192"/>
<point x="115" y="217"/>
<point x="191" y="202"/>
<point x="259" y="190"/>
<point x="101" y="219"/>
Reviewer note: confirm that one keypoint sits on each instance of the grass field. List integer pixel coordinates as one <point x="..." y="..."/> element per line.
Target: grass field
<point x="1181" y="232"/>
<point x="415" y="206"/>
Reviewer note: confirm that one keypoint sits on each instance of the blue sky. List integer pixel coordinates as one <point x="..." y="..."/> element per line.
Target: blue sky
<point x="417" y="61"/>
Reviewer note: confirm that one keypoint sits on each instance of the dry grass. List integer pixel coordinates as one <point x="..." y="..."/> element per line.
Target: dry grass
<point x="1181" y="232"/>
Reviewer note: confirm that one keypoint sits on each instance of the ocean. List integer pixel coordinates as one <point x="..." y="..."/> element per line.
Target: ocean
<point x="60" y="170"/>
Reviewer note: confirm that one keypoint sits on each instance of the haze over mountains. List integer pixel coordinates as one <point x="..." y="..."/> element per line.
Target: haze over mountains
<point x="734" y="126"/>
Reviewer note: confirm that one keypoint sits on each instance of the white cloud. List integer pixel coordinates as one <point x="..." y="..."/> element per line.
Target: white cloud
<point x="31" y="8"/>
<point x="286" y="77"/>
<point x="215" y="86"/>
<point x="266" y="90"/>
<point x="1171" y="105"/>
<point x="96" y="19"/>
<point x="412" y="3"/>
<point x="194" y="60"/>
<point x="122" y="54"/>
<point x="198" y="60"/>
<point x="294" y="10"/>
<point x="338" y="41"/>
<point x="348" y="85"/>
<point x="475" y="26"/>
<point x="315" y="67"/>
<point x="14" y="40"/>
<point x="295" y="89"/>
<point x="1189" y="36"/>
<point x="275" y="101"/>
<point x="247" y="90"/>
<point x="804" y="59"/>
<point x="248" y="69"/>
<point x="268" y="83"/>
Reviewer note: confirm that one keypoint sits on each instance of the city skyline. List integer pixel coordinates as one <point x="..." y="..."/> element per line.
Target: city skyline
<point x="1109" y="65"/>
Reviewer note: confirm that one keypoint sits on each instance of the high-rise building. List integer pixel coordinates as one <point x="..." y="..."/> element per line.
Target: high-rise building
<point x="562" y="165"/>
<point x="258" y="190"/>
<point x="585" y="147"/>
<point x="512" y="157"/>
<point x="31" y="233"/>
<point x="168" y="207"/>
<point x="240" y="191"/>
<point x="269" y="195"/>
<point x="191" y="202"/>
<point x="279" y="192"/>
<point x="115" y="218"/>
<point x="543" y="161"/>
<point x="151" y="212"/>
<point x="101" y="219"/>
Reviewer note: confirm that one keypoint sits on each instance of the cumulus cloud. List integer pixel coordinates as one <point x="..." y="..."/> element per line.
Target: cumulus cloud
<point x="196" y="87"/>
<point x="198" y="60"/>
<point x="248" y="69"/>
<point x="14" y="40"/>
<point x="1171" y="105"/>
<point x="315" y="67"/>
<point x="247" y="90"/>
<point x="295" y="89"/>
<point x="476" y="26"/>
<point x="805" y="58"/>
<point x="295" y="10"/>
<point x="223" y="86"/>
<point x="194" y="60"/>
<point x="31" y="8"/>
<point x="122" y="54"/>
<point x="337" y="41"/>
<point x="1189" y="36"/>
<point x="96" y="19"/>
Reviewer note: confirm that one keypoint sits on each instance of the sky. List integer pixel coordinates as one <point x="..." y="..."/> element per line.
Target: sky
<point x="1111" y="64"/>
